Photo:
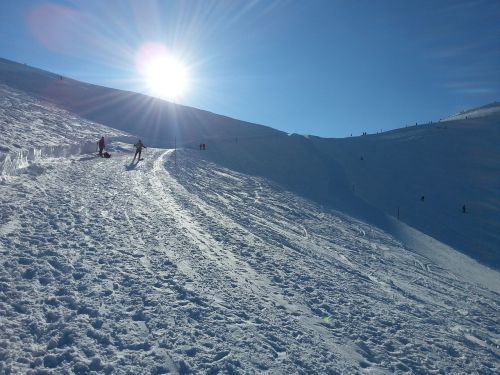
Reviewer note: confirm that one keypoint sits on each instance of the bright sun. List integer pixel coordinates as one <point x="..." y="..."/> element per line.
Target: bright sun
<point x="166" y="77"/>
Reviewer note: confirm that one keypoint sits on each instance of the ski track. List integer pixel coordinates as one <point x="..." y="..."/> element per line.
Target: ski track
<point x="185" y="267"/>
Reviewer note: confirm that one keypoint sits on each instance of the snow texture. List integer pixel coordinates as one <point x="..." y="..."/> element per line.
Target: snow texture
<point x="179" y="264"/>
<point x="186" y="267"/>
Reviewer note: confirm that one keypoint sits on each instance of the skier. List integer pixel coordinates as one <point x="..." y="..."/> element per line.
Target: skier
<point x="100" y="144"/>
<point x="138" y="149"/>
<point x="464" y="209"/>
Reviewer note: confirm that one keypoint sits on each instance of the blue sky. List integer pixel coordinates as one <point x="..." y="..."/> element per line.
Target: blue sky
<point x="328" y="68"/>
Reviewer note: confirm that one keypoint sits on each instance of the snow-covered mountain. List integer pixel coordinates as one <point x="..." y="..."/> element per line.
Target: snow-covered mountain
<point x="451" y="163"/>
<point x="158" y="122"/>
<point x="266" y="253"/>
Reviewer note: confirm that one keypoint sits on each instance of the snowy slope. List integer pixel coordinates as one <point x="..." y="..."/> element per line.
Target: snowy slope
<point x="450" y="163"/>
<point x="33" y="129"/>
<point x="179" y="264"/>
<point x="157" y="122"/>
<point x="373" y="176"/>
<point x="175" y="265"/>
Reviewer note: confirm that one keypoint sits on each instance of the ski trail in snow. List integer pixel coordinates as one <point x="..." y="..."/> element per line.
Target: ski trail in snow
<point x="360" y="251"/>
<point x="137" y="239"/>
<point x="236" y="273"/>
<point x="305" y="232"/>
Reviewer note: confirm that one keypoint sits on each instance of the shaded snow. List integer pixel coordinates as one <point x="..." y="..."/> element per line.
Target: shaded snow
<point x="376" y="176"/>
<point x="449" y="166"/>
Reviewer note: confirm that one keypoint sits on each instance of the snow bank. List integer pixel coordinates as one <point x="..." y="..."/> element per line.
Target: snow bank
<point x="32" y="130"/>
<point x="11" y="162"/>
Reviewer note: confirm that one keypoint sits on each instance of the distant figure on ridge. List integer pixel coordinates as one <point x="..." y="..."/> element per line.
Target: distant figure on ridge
<point x="422" y="198"/>
<point x="464" y="210"/>
<point x="138" y="149"/>
<point x="100" y="144"/>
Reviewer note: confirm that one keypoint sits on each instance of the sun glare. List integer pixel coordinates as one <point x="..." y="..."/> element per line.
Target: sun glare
<point x="165" y="76"/>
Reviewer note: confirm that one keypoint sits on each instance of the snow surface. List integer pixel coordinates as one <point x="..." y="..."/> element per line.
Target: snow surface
<point x="179" y="264"/>
<point x="376" y="176"/>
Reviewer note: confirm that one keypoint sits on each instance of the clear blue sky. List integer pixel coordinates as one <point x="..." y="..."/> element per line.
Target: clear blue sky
<point x="328" y="68"/>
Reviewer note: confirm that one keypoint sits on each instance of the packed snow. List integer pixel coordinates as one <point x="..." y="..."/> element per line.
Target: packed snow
<point x="180" y="264"/>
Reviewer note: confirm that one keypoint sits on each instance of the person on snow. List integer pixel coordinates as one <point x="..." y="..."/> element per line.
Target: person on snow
<point x="100" y="144"/>
<point x="138" y="149"/>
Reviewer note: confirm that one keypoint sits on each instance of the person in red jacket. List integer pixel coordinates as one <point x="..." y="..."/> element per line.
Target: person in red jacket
<point x="100" y="144"/>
